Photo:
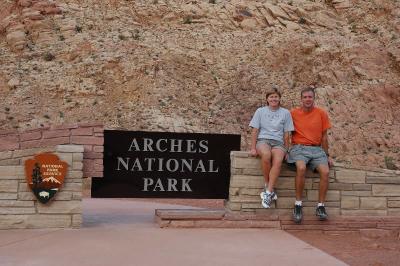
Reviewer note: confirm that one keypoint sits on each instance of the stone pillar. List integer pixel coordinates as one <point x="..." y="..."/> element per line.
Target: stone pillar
<point x="18" y="206"/>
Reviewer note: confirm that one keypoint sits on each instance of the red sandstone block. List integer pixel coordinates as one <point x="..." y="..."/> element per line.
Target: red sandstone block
<point x="311" y="227"/>
<point x="190" y="214"/>
<point x="163" y="224"/>
<point x="92" y="174"/>
<point x="182" y="224"/>
<point x="394" y="219"/>
<point x="358" y="225"/>
<point x="93" y="155"/>
<point x="83" y="131"/>
<point x="98" y="129"/>
<point x="87" y="124"/>
<point x="9" y="142"/>
<point x="98" y="168"/>
<point x="214" y="223"/>
<point x="33" y="130"/>
<point x="98" y="161"/>
<point x="366" y="218"/>
<point x="44" y="142"/>
<point x="255" y="217"/>
<point x="375" y="233"/>
<point x="30" y="135"/>
<point x="55" y="141"/>
<point x="260" y="224"/>
<point x="389" y="225"/>
<point x="56" y="133"/>
<point x="8" y="132"/>
<point x="333" y="232"/>
<point x="87" y="140"/>
<point x="220" y="224"/>
<point x="314" y="222"/>
<point x="87" y="148"/>
<point x="64" y="126"/>
<point x="98" y="148"/>
<point x="31" y="144"/>
<point x="239" y="217"/>
<point x="88" y="164"/>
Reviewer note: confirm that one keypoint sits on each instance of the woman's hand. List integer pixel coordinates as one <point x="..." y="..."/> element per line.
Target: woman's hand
<point x="253" y="152"/>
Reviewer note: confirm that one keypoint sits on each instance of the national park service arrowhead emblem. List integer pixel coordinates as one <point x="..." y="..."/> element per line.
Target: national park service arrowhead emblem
<point x="45" y="175"/>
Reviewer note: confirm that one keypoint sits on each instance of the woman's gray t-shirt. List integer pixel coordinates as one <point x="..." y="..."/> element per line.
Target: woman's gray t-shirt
<point x="272" y="123"/>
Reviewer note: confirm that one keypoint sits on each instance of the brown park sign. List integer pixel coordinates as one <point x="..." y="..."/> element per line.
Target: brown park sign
<point x="45" y="175"/>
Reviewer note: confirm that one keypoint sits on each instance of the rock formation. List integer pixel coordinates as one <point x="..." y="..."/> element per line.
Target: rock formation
<point x="204" y="65"/>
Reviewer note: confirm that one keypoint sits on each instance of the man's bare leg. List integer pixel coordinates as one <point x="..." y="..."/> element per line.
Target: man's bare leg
<point x="299" y="183"/>
<point x="323" y="171"/>
<point x="300" y="178"/>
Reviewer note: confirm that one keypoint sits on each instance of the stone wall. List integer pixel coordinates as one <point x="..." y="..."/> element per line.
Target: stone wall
<point x="352" y="192"/>
<point x="19" y="207"/>
<point x="90" y="136"/>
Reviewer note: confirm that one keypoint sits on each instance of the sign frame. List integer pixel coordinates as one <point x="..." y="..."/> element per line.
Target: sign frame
<point x="142" y="164"/>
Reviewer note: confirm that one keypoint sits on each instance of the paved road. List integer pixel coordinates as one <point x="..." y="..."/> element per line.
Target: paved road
<point x="122" y="232"/>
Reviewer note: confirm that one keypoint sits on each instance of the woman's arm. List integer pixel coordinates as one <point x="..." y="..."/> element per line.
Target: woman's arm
<point x="254" y="135"/>
<point x="286" y="140"/>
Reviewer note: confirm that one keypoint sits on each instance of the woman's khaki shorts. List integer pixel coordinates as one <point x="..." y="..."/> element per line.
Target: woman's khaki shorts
<point x="272" y="143"/>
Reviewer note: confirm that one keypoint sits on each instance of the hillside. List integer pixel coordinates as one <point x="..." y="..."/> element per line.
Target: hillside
<point x="203" y="66"/>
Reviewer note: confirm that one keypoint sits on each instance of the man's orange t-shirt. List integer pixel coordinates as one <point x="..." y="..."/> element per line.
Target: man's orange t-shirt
<point x="309" y="126"/>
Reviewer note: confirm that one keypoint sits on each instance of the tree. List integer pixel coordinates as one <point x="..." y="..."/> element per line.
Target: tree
<point x="36" y="176"/>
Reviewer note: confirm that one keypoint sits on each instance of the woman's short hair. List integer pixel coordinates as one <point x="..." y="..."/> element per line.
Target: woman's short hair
<point x="274" y="90"/>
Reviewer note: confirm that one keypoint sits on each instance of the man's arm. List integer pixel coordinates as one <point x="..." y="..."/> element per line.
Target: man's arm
<point x="325" y="146"/>
<point x="254" y="135"/>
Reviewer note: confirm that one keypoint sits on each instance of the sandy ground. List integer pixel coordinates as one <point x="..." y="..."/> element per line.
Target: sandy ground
<point x="355" y="249"/>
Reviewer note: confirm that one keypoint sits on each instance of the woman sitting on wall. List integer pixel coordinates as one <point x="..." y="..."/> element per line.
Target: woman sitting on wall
<point x="271" y="127"/>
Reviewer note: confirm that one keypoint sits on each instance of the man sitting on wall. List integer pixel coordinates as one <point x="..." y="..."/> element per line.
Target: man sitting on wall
<point x="310" y="147"/>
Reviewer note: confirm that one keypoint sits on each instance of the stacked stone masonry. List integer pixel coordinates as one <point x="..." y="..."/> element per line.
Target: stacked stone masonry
<point x="90" y="136"/>
<point x="19" y="207"/>
<point x="352" y="192"/>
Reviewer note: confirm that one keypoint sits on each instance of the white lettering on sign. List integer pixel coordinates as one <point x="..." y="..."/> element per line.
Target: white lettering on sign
<point x="169" y="145"/>
<point x="180" y="165"/>
<point x="168" y="184"/>
<point x="170" y="165"/>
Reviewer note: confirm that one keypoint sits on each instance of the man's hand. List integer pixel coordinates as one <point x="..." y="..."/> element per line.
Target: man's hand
<point x="330" y="161"/>
<point x="253" y="152"/>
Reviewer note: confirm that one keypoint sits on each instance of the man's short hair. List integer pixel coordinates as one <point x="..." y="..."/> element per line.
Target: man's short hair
<point x="306" y="89"/>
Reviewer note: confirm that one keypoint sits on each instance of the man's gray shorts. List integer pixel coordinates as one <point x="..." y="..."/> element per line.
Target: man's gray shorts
<point x="311" y="155"/>
<point x="272" y="143"/>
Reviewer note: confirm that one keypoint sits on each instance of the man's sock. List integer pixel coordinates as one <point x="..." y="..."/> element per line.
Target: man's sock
<point x="298" y="202"/>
